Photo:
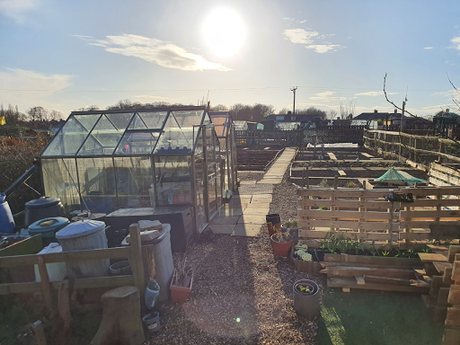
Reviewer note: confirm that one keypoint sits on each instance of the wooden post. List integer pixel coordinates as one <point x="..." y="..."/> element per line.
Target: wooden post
<point x="64" y="304"/>
<point x="136" y="261"/>
<point x="45" y="284"/>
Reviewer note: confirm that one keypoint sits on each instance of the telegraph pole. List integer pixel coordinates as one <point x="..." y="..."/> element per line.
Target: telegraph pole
<point x="293" y="103"/>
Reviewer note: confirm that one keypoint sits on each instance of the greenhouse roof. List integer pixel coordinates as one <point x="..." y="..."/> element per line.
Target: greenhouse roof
<point x="128" y="132"/>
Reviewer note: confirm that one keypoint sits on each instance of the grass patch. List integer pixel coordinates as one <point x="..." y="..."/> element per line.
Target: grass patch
<point x="377" y="318"/>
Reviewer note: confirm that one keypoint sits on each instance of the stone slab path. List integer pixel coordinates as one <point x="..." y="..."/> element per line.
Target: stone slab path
<point x="245" y="214"/>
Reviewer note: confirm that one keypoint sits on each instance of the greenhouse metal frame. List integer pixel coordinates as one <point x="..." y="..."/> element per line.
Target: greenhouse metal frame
<point x="104" y="160"/>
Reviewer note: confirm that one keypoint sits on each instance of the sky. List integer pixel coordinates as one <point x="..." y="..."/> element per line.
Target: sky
<point x="67" y="55"/>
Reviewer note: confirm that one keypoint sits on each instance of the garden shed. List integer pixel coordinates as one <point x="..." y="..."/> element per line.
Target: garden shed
<point x="148" y="159"/>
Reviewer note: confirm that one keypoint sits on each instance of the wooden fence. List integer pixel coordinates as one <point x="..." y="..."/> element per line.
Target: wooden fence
<point x="137" y="254"/>
<point x="366" y="215"/>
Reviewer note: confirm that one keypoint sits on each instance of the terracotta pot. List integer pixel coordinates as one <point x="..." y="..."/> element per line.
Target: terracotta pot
<point x="179" y="294"/>
<point x="281" y="248"/>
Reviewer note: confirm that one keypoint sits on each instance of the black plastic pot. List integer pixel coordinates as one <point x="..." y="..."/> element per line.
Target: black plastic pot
<point x="273" y="218"/>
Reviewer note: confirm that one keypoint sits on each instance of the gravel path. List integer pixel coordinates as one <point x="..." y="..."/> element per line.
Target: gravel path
<point x="242" y="293"/>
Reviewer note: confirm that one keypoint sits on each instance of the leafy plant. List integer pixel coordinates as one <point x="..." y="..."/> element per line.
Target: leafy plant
<point x="282" y="235"/>
<point x="304" y="288"/>
<point x="385" y="252"/>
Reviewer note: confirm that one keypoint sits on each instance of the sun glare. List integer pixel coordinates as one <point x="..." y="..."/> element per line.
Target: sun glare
<point x="224" y="31"/>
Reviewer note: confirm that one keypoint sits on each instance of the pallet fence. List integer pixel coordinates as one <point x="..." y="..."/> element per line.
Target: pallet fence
<point x="365" y="215"/>
<point x="140" y="258"/>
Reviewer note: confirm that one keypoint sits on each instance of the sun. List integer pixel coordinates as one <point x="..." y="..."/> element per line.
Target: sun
<point x="224" y="31"/>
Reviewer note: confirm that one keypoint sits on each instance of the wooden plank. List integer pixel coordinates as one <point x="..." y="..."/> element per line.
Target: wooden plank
<point x="436" y="284"/>
<point x="441" y="266"/>
<point x="94" y="254"/>
<point x="345" y="193"/>
<point x="45" y="284"/>
<point x="431" y="191"/>
<point x="389" y="280"/>
<point x="372" y="226"/>
<point x="422" y="224"/>
<point x="342" y="173"/>
<point x="135" y="260"/>
<point x="453" y="249"/>
<point x="369" y="236"/>
<point x="454" y="295"/>
<point x="442" y="296"/>
<point x="374" y="260"/>
<point x="353" y="271"/>
<point x="82" y="283"/>
<point x="349" y="215"/>
<point x="431" y="257"/>
<point x="447" y="276"/>
<point x="456" y="271"/>
<point x="360" y="281"/>
<point x="453" y="317"/>
<point x="349" y="204"/>
<point x="430" y="214"/>
<point x="451" y="336"/>
<point x="444" y="169"/>
<point x="350" y="283"/>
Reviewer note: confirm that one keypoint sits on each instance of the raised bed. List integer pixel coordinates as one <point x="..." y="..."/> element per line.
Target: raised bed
<point x="374" y="273"/>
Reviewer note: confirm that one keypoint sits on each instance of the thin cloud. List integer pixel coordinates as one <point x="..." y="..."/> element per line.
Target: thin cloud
<point x="162" y="53"/>
<point x="323" y="48"/>
<point x="456" y="42"/>
<point x="323" y="96"/>
<point x="14" y="79"/>
<point x="17" y="8"/>
<point x="300" y="36"/>
<point x="311" y="40"/>
<point x="428" y="48"/>
<point x="374" y="93"/>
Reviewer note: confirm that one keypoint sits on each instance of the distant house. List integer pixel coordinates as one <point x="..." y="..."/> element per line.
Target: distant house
<point x="295" y="121"/>
<point x="245" y="125"/>
<point x="446" y="118"/>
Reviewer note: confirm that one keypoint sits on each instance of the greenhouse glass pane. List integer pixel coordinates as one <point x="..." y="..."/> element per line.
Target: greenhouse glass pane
<point x="97" y="184"/>
<point x="134" y="178"/>
<point x="148" y="120"/>
<point x="102" y="140"/>
<point x="137" y="143"/>
<point x="60" y="181"/>
<point x="120" y="120"/>
<point x="71" y="136"/>
<point x="153" y="119"/>
<point x="178" y="134"/>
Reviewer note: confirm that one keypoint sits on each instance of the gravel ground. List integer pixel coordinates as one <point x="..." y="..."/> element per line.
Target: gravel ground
<point x="242" y="293"/>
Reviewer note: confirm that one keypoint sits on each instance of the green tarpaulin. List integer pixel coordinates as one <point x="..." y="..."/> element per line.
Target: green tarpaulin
<point x="396" y="175"/>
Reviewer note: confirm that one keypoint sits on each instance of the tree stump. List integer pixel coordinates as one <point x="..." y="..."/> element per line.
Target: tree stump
<point x="121" y="318"/>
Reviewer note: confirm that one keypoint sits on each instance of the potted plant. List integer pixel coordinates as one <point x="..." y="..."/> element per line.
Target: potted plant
<point x="281" y="242"/>
<point x="306" y="297"/>
<point x="181" y="283"/>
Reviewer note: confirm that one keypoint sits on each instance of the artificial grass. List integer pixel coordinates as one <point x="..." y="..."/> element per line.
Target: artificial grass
<point x="377" y="318"/>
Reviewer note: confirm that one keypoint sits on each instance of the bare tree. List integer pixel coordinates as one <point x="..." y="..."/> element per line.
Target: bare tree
<point x="37" y="114"/>
<point x="347" y="107"/>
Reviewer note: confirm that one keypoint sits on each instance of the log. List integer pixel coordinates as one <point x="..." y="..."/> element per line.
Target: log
<point x="121" y="320"/>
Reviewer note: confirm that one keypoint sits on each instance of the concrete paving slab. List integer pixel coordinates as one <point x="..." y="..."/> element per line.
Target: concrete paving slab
<point x="262" y="198"/>
<point x="225" y="220"/>
<point x="248" y="230"/>
<point x="258" y="210"/>
<point x="252" y="219"/>
<point x="222" y="229"/>
<point x="230" y="211"/>
<point x="256" y="206"/>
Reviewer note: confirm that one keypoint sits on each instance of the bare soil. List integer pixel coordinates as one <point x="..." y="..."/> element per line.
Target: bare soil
<point x="242" y="293"/>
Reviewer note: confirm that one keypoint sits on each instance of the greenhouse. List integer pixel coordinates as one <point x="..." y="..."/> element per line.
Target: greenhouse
<point x="104" y="161"/>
